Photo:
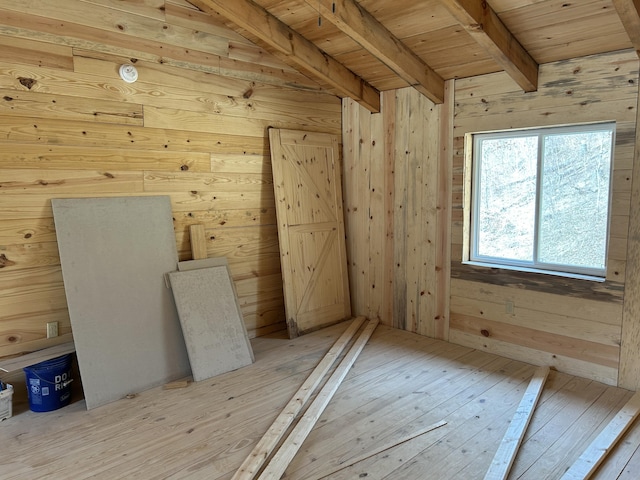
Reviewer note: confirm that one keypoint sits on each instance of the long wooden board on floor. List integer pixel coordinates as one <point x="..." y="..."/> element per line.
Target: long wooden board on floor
<point x="212" y="325"/>
<point x="290" y="446"/>
<point x="378" y="450"/>
<point x="596" y="452"/>
<point x="114" y="253"/>
<point x="307" y="181"/>
<point x="278" y="428"/>
<point x="506" y="454"/>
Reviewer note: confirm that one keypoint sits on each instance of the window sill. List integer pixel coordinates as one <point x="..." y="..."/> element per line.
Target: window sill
<point x="577" y="276"/>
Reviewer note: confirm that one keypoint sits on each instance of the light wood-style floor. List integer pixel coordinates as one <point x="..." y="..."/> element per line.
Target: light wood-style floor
<point x="400" y="383"/>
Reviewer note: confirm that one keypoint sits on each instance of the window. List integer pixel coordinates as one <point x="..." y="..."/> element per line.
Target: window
<point x="540" y="199"/>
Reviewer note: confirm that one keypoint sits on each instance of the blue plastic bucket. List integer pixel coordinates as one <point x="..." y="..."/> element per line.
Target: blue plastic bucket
<point x="48" y="384"/>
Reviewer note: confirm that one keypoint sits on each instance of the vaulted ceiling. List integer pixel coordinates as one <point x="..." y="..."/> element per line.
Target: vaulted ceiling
<point x="358" y="48"/>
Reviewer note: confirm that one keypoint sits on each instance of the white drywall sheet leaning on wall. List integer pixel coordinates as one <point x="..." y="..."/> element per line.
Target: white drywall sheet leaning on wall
<point x="114" y="254"/>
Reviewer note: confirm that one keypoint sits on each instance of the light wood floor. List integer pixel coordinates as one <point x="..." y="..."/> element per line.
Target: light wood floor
<point x="400" y="383"/>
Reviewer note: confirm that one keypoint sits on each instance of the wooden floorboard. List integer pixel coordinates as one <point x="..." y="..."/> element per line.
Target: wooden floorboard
<point x="401" y="383"/>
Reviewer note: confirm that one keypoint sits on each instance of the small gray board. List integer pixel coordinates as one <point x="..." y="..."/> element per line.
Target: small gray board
<point x="212" y="324"/>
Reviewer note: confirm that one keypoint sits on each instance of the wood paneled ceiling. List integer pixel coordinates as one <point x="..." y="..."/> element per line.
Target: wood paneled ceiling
<point x="357" y="48"/>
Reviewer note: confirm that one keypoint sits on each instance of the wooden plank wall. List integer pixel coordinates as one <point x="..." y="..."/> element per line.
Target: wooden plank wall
<point x="193" y="127"/>
<point x="390" y="192"/>
<point x="572" y="325"/>
<point x="629" y="374"/>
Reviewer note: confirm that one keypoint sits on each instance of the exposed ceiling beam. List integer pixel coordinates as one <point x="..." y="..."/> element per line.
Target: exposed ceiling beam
<point x="483" y="24"/>
<point x="295" y="50"/>
<point x="629" y="13"/>
<point x="374" y="37"/>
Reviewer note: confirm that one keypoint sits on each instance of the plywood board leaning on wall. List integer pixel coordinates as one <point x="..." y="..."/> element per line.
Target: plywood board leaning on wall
<point x="307" y="181"/>
<point x="114" y="254"/>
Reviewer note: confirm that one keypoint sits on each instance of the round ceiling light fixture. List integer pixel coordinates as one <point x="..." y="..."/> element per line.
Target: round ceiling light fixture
<point x="128" y="73"/>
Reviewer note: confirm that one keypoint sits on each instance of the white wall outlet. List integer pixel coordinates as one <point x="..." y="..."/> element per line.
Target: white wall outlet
<point x="508" y="306"/>
<point x="52" y="329"/>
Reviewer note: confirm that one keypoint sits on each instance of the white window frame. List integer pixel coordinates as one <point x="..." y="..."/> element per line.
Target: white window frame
<point x="471" y="256"/>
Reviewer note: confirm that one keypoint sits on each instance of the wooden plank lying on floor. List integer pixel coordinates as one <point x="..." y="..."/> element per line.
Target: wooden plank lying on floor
<point x="270" y="439"/>
<point x="595" y="453"/>
<point x="506" y="454"/>
<point x="18" y="363"/>
<point x="280" y="461"/>
<point x="376" y="451"/>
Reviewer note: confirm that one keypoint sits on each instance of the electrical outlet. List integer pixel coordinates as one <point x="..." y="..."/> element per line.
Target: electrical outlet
<point x="508" y="306"/>
<point x="52" y="329"/>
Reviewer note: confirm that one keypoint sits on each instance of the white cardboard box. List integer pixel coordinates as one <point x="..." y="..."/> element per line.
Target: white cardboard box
<point x="6" y="402"/>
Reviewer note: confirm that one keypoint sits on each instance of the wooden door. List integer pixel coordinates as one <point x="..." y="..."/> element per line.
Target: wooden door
<point x="307" y="182"/>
